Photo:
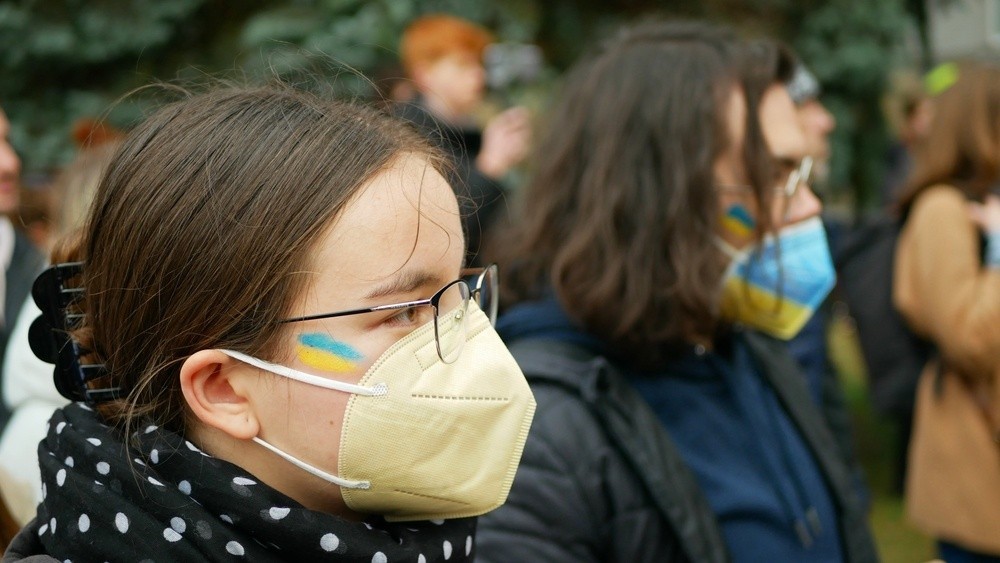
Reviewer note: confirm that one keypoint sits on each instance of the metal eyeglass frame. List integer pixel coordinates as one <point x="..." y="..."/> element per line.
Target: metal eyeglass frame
<point x="470" y="291"/>
<point x="799" y="176"/>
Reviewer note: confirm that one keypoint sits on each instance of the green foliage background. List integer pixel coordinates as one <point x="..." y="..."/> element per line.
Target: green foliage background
<point x="64" y="59"/>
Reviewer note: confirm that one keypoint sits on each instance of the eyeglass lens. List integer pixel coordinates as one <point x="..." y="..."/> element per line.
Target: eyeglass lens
<point x="449" y="322"/>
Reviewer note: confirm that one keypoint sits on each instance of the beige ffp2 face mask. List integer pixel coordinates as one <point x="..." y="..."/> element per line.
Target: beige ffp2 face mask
<point x="422" y="439"/>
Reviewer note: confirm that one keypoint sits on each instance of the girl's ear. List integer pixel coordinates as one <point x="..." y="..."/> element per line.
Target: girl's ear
<point x="217" y="390"/>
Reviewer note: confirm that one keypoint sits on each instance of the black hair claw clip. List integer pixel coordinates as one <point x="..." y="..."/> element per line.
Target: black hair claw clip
<point x="49" y="335"/>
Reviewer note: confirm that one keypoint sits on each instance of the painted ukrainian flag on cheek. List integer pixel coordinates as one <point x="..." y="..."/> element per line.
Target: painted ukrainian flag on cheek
<point x="320" y="351"/>
<point x="738" y="221"/>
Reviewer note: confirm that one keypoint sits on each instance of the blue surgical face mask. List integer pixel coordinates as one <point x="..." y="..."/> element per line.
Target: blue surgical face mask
<point x="778" y="291"/>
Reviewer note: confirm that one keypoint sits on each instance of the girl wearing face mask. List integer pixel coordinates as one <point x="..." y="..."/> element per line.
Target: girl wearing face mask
<point x="278" y="355"/>
<point x="670" y="244"/>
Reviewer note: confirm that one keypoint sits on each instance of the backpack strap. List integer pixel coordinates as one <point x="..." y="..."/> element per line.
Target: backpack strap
<point x="635" y="431"/>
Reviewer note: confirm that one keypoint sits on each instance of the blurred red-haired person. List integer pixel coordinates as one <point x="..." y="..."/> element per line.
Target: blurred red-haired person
<point x="443" y="56"/>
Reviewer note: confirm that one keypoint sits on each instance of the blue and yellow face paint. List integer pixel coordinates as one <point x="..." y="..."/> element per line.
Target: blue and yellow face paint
<point x="320" y="351"/>
<point x="738" y="222"/>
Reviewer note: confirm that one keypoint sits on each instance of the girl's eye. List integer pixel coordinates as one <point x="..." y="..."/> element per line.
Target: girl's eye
<point x="406" y="317"/>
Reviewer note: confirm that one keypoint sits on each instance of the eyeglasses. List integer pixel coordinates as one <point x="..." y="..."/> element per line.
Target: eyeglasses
<point x="449" y="305"/>
<point x="799" y="175"/>
<point x="791" y="175"/>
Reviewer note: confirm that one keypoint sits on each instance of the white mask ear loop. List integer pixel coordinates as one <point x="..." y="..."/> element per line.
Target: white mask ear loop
<point x="727" y="248"/>
<point x="329" y="477"/>
<point x="308" y="378"/>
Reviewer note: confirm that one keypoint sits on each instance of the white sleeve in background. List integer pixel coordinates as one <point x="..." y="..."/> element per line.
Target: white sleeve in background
<point x="21" y="484"/>
<point x="26" y="378"/>
<point x="30" y="393"/>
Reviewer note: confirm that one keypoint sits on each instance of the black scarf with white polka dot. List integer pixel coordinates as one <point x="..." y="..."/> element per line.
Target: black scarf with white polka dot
<point x="169" y="501"/>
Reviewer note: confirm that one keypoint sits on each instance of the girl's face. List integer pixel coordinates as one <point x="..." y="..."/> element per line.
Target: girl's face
<point x="399" y="240"/>
<point x="785" y="139"/>
<point x="456" y="79"/>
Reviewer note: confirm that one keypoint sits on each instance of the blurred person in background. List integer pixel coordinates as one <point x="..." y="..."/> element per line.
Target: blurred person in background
<point x="650" y="314"/>
<point x="28" y="388"/>
<point x="392" y="87"/>
<point x="19" y="259"/>
<point x="947" y="286"/>
<point x="816" y="121"/>
<point x="909" y="110"/>
<point x="443" y="55"/>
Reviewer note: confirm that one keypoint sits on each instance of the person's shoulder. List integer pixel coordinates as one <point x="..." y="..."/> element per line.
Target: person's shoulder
<point x="561" y="378"/>
<point x="939" y="199"/>
<point x="561" y="406"/>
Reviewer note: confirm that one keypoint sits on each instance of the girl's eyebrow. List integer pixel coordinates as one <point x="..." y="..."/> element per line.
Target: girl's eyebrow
<point x="404" y="282"/>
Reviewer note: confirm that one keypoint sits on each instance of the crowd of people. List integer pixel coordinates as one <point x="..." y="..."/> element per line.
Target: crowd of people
<point x="276" y="326"/>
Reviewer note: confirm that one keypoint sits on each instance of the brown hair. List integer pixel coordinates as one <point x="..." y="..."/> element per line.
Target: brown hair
<point x="620" y="217"/>
<point x="962" y="146"/>
<point x="202" y="229"/>
<point x="432" y="37"/>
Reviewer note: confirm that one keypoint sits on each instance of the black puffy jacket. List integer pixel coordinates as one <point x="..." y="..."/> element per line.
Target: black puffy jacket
<point x="601" y="481"/>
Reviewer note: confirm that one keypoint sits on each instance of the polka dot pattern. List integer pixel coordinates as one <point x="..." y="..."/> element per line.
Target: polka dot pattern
<point x="277" y="513"/>
<point x="186" y="505"/>
<point x="235" y="548"/>
<point x="121" y="522"/>
<point x="203" y="529"/>
<point x="329" y="542"/>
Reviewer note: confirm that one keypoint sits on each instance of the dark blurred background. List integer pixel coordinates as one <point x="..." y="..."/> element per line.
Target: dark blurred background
<point x="64" y="59"/>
